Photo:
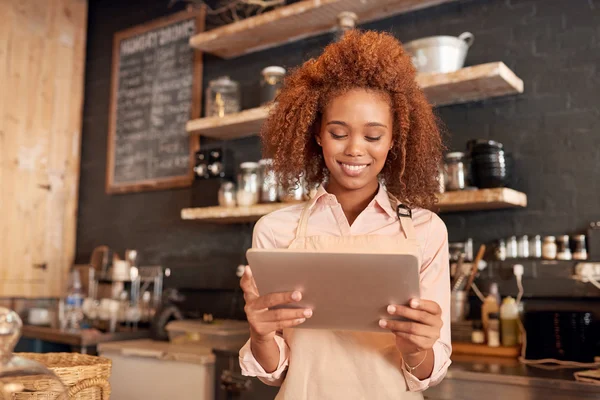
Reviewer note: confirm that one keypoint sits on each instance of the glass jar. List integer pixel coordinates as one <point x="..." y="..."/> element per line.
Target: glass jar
<point x="549" y="248"/>
<point x="227" y="194"/>
<point x="563" y="249"/>
<point x="296" y="193"/>
<point x="501" y="250"/>
<point x="272" y="79"/>
<point x="469" y="249"/>
<point x="579" y="249"/>
<point x="222" y="97"/>
<point x="512" y="247"/>
<point x="268" y="182"/>
<point x="455" y="170"/>
<point x="346" y="21"/>
<point x="22" y="377"/>
<point x="248" y="182"/>
<point x="441" y="179"/>
<point x="523" y="247"/>
<point x="535" y="247"/>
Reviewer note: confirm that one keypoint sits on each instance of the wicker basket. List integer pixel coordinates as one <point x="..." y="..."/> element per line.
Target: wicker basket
<point x="86" y="377"/>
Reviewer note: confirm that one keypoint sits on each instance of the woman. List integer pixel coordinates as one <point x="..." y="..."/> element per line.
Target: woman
<point x="355" y="120"/>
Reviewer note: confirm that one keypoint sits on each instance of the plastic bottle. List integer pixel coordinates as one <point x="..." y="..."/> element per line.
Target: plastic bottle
<point x="478" y="335"/>
<point x="490" y="305"/>
<point x="509" y="314"/>
<point x="493" y="332"/>
<point x="74" y="303"/>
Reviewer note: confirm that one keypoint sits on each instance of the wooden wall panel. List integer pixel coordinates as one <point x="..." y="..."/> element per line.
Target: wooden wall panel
<point x="41" y="95"/>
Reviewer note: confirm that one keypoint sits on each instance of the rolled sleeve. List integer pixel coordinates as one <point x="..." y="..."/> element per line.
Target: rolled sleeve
<point x="251" y="367"/>
<point x="435" y="286"/>
<point x="441" y="362"/>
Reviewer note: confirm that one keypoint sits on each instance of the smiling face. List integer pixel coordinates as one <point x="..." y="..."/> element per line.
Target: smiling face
<point x="355" y="136"/>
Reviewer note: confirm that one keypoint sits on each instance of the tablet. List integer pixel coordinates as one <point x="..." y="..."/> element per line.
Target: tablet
<point x="346" y="291"/>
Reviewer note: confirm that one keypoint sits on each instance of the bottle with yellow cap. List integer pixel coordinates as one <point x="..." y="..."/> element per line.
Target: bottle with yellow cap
<point x="509" y="314"/>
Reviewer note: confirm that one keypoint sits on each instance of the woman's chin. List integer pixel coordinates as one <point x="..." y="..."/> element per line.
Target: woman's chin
<point x="353" y="183"/>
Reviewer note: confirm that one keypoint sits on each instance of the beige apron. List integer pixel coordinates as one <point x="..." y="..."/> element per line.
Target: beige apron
<point x="341" y="364"/>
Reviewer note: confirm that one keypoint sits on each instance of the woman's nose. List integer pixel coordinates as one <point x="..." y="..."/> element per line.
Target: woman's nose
<point x="355" y="147"/>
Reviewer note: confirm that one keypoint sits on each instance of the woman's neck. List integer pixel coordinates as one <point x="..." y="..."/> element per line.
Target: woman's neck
<point x="353" y="202"/>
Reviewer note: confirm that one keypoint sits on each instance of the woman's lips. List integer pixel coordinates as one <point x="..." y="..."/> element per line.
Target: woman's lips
<point x="353" y="169"/>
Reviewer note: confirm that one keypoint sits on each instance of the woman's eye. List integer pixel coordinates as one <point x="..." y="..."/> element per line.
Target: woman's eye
<point x="372" y="138"/>
<point x="336" y="136"/>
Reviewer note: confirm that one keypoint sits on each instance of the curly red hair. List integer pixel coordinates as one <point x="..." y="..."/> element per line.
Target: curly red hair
<point x="373" y="61"/>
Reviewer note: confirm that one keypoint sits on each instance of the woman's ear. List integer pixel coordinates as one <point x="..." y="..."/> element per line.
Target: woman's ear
<point x="317" y="130"/>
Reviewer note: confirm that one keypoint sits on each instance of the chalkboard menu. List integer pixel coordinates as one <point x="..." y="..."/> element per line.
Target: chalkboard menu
<point x="156" y="89"/>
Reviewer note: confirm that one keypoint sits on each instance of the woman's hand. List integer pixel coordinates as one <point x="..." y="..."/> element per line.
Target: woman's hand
<point x="422" y="329"/>
<point x="263" y="321"/>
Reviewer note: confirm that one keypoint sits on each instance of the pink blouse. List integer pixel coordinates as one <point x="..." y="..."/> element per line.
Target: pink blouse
<point x="278" y="230"/>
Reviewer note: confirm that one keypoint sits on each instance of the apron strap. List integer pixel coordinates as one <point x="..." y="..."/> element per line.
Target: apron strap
<point x="404" y="217"/>
<point x="303" y="223"/>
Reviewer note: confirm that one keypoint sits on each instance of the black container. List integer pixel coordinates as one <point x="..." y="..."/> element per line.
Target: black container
<point x="561" y="335"/>
<point x="490" y="166"/>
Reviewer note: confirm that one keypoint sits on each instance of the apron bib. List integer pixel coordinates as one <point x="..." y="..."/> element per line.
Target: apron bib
<point x="348" y="365"/>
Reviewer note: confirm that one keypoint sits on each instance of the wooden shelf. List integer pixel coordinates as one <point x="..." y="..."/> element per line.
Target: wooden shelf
<point x="296" y="21"/>
<point x="483" y="350"/>
<point x="231" y="215"/>
<point x="468" y="84"/>
<point x="233" y="126"/>
<point x="484" y="199"/>
<point x="474" y="83"/>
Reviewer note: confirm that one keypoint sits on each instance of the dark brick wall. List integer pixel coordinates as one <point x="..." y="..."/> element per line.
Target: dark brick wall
<point x="552" y="130"/>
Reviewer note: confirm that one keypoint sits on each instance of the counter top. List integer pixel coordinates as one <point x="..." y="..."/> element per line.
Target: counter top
<point x="511" y="371"/>
<point x="85" y="338"/>
<point x="500" y="370"/>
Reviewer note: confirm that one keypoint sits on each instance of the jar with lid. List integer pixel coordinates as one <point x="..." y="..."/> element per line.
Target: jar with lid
<point x="268" y="181"/>
<point x="222" y="97"/>
<point x="227" y="194"/>
<point x="248" y="180"/>
<point x="563" y="249"/>
<point x="512" y="247"/>
<point x="549" y="248"/>
<point x="296" y="193"/>
<point x="270" y="84"/>
<point x="579" y="249"/>
<point x="523" y="247"/>
<point x="455" y="170"/>
<point x="535" y="247"/>
<point x="346" y="20"/>
<point x="441" y="179"/>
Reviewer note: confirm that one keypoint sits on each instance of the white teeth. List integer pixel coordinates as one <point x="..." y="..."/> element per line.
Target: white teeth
<point x="354" y="167"/>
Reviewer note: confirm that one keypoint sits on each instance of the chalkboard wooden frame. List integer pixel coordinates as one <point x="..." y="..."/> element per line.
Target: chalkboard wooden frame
<point x="113" y="187"/>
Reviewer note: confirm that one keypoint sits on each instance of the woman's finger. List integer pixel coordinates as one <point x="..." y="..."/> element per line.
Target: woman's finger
<point x="289" y="323"/>
<point x="426" y="305"/>
<point x="279" y="325"/>
<point x="411" y="328"/>
<point x="284" y="314"/>
<point x="413" y="315"/>
<point x="276" y="299"/>
<point x="248" y="286"/>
